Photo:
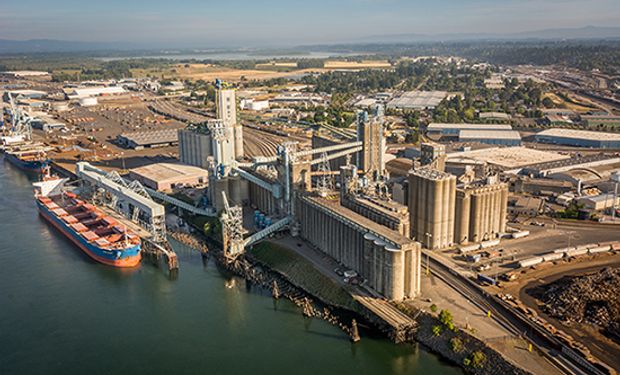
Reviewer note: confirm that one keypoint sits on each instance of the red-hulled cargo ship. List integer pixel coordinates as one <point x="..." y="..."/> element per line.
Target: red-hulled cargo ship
<point x="100" y="236"/>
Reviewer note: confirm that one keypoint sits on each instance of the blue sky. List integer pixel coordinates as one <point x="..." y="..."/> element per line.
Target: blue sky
<point x="294" y="22"/>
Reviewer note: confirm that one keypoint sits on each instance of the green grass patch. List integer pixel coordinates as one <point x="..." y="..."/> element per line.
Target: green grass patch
<point x="302" y="273"/>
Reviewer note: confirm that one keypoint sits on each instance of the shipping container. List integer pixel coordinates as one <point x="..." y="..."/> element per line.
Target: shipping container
<point x="482" y="279"/>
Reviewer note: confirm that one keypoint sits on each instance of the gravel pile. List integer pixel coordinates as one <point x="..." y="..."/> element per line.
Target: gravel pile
<point x="592" y="299"/>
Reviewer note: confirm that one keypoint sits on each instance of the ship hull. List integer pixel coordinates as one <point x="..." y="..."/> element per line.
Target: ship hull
<point x="125" y="259"/>
<point x="37" y="166"/>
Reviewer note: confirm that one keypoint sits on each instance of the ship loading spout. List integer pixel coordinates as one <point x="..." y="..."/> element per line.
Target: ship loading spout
<point x="131" y="201"/>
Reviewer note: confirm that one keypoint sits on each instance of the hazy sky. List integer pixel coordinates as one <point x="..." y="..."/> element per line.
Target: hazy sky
<point x="206" y="22"/>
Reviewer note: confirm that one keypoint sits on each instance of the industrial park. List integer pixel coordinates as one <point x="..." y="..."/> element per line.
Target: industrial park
<point x="431" y="201"/>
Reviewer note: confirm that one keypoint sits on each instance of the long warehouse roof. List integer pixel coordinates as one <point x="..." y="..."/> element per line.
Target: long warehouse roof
<point x="489" y="134"/>
<point x="441" y="126"/>
<point x="152" y="137"/>
<point x="580" y="134"/>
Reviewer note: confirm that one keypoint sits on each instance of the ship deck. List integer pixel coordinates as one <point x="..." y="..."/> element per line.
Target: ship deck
<point x="92" y="223"/>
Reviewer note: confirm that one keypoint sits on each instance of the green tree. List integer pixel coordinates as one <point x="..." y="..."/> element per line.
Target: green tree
<point x="445" y="317"/>
<point x="456" y="344"/>
<point x="437" y="330"/>
<point x="469" y="114"/>
<point x="478" y="359"/>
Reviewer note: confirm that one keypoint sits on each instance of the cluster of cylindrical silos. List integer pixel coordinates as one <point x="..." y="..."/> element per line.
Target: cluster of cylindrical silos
<point x="194" y="148"/>
<point x="432" y="197"/>
<point x="480" y="212"/>
<point x="390" y="266"/>
<point x="236" y="188"/>
<point x="392" y="270"/>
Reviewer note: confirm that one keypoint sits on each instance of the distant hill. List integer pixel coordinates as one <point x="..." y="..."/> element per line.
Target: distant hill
<point x="51" y="45"/>
<point x="588" y="32"/>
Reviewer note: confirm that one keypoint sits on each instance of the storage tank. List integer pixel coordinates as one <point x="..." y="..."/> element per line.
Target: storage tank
<point x="88" y="101"/>
<point x="529" y="262"/>
<point x="378" y="265"/>
<point x="467" y="249"/>
<point x="490" y="243"/>
<point x="368" y="255"/>
<point x="577" y="252"/>
<point x="394" y="273"/>
<point x="60" y="106"/>
<point x="563" y="250"/>
<point x="521" y="234"/>
<point x="552" y="256"/>
<point x="599" y="249"/>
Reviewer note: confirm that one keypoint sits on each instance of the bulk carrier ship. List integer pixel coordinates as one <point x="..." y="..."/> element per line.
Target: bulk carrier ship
<point x="100" y="236"/>
<point x="30" y="160"/>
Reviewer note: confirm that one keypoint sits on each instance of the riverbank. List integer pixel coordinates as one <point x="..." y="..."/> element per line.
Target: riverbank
<point x="296" y="269"/>
<point x="288" y="275"/>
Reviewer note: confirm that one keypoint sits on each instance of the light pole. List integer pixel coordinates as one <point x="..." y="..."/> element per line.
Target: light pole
<point x="428" y="257"/>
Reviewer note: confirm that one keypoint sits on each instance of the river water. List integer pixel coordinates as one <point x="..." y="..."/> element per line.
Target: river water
<point x="61" y="313"/>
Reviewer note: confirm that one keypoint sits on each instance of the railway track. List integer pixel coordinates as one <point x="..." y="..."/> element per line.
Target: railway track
<point x="513" y="321"/>
<point x="258" y="142"/>
<point x="176" y="111"/>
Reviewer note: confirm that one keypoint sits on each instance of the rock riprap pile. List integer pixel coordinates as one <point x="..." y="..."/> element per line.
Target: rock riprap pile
<point x="592" y="299"/>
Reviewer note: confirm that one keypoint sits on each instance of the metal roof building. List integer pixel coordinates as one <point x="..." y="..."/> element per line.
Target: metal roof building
<point x="166" y="176"/>
<point x="149" y="139"/>
<point x="596" y="120"/>
<point x="418" y="100"/>
<point x="495" y="116"/>
<point x="580" y="138"/>
<point x="454" y="129"/>
<point x="492" y="137"/>
<point x="83" y="92"/>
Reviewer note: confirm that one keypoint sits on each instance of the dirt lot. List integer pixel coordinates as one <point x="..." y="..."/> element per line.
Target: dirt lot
<point x="560" y="102"/>
<point x="600" y="346"/>
<point x="210" y="72"/>
<point x="365" y="64"/>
